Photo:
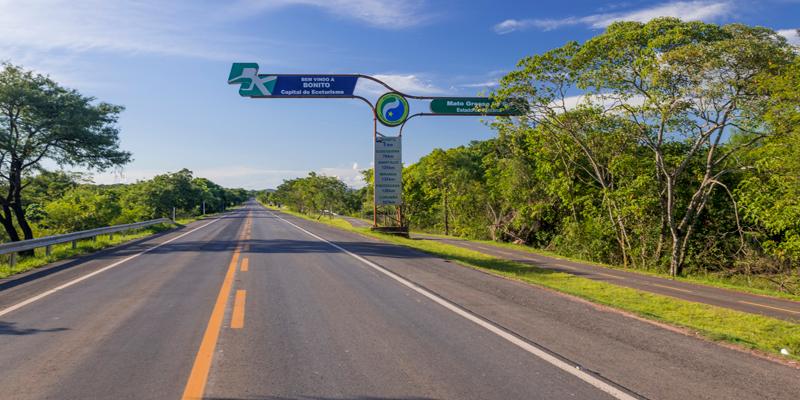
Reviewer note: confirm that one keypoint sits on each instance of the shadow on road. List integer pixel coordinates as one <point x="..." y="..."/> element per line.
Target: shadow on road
<point x="8" y="328"/>
<point x="318" y="398"/>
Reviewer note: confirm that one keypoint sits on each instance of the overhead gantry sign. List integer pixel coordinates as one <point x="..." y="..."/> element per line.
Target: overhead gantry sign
<point x="391" y="110"/>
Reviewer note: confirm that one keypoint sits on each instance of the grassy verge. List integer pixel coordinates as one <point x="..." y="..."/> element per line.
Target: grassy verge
<point x="732" y="283"/>
<point x="751" y="331"/>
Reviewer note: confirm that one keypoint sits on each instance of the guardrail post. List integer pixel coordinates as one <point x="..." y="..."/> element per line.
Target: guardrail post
<point x="13" y="249"/>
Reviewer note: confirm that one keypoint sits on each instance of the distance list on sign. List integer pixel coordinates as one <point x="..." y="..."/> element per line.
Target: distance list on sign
<point x="388" y="170"/>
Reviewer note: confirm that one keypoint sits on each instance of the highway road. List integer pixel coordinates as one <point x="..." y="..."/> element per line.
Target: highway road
<point x="257" y="304"/>
<point x="735" y="300"/>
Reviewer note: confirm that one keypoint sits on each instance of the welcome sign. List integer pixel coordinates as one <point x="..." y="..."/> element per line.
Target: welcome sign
<point x="253" y="84"/>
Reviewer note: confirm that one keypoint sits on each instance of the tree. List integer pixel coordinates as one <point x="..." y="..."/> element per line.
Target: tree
<point x="682" y="88"/>
<point x="574" y="134"/>
<point x="41" y="120"/>
<point x="82" y="208"/>
<point x="172" y="190"/>
<point x="770" y="197"/>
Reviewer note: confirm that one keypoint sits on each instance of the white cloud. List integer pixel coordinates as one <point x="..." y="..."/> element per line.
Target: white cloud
<point x="408" y="84"/>
<point x="603" y="101"/>
<point x="379" y="13"/>
<point x="146" y="26"/>
<point x="487" y="84"/>
<point x="791" y="36"/>
<point x="350" y="176"/>
<point x="685" y="10"/>
<point x="40" y="29"/>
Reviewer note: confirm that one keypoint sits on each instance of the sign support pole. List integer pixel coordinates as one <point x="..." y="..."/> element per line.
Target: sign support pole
<point x="374" y="170"/>
<point x="253" y="84"/>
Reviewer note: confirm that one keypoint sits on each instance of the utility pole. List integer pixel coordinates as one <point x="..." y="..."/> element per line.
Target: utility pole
<point x="173" y="213"/>
<point x="204" y="207"/>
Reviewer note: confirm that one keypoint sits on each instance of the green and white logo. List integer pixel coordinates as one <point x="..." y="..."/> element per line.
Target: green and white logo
<point x="252" y="84"/>
<point x="392" y="109"/>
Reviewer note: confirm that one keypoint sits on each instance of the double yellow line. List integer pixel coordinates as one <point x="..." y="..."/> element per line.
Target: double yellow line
<point x="195" y="386"/>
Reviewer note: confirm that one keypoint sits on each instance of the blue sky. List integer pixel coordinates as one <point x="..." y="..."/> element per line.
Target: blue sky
<point x="167" y="62"/>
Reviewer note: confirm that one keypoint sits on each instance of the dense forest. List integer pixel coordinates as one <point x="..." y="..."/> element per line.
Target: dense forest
<point x="666" y="145"/>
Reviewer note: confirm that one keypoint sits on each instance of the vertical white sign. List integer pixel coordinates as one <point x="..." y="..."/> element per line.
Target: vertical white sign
<point x="388" y="170"/>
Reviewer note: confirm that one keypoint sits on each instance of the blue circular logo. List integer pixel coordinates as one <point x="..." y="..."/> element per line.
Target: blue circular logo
<point x="392" y="109"/>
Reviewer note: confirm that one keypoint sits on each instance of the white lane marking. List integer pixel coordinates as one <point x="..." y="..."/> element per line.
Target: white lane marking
<point x="87" y="276"/>
<point x="570" y="369"/>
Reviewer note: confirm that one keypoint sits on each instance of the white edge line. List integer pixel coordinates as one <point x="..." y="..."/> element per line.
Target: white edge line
<point x="572" y="370"/>
<point x="87" y="276"/>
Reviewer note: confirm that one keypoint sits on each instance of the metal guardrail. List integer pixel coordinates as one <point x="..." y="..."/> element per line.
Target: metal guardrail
<point x="48" y="241"/>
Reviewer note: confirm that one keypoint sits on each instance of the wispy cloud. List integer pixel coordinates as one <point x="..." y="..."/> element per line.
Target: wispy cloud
<point x="685" y="10"/>
<point x="185" y="28"/>
<point x="407" y="83"/>
<point x="146" y="26"/>
<point x="378" y="13"/>
<point x="487" y="85"/>
<point x="791" y="35"/>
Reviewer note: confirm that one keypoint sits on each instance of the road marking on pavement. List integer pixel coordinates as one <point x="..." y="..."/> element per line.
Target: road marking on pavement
<point x="609" y="275"/>
<point x="765" y="306"/>
<point x="530" y="348"/>
<point x="196" y="385"/>
<point x="237" y="318"/>
<point x="87" y="276"/>
<point x="245" y="264"/>
<point x="569" y="267"/>
<point x="671" y="288"/>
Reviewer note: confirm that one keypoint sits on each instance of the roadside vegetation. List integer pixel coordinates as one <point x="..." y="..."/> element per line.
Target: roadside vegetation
<point x="750" y="331"/>
<point x="41" y="121"/>
<point x="60" y="202"/>
<point x="666" y="147"/>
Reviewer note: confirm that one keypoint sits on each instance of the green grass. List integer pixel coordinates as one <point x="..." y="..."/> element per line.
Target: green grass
<point x="751" y="331"/>
<point x="738" y="283"/>
<point x="65" y="250"/>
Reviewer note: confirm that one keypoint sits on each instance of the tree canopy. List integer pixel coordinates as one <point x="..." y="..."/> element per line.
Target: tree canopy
<point x="41" y="120"/>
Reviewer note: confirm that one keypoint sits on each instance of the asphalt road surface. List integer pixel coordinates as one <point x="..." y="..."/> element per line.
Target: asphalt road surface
<point x="735" y="300"/>
<point x="261" y="305"/>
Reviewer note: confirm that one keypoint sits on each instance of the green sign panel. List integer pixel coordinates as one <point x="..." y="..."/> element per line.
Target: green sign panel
<point x="472" y="106"/>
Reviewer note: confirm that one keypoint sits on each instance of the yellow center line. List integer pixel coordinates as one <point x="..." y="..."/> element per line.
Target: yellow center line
<point x="774" y="308"/>
<point x="237" y="318"/>
<point x="245" y="264"/>
<point x="671" y="288"/>
<point x="196" y="385"/>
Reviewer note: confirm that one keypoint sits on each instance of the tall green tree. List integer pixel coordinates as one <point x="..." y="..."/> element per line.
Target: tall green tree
<point x="41" y="120"/>
<point x="770" y="196"/>
<point x="682" y="88"/>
